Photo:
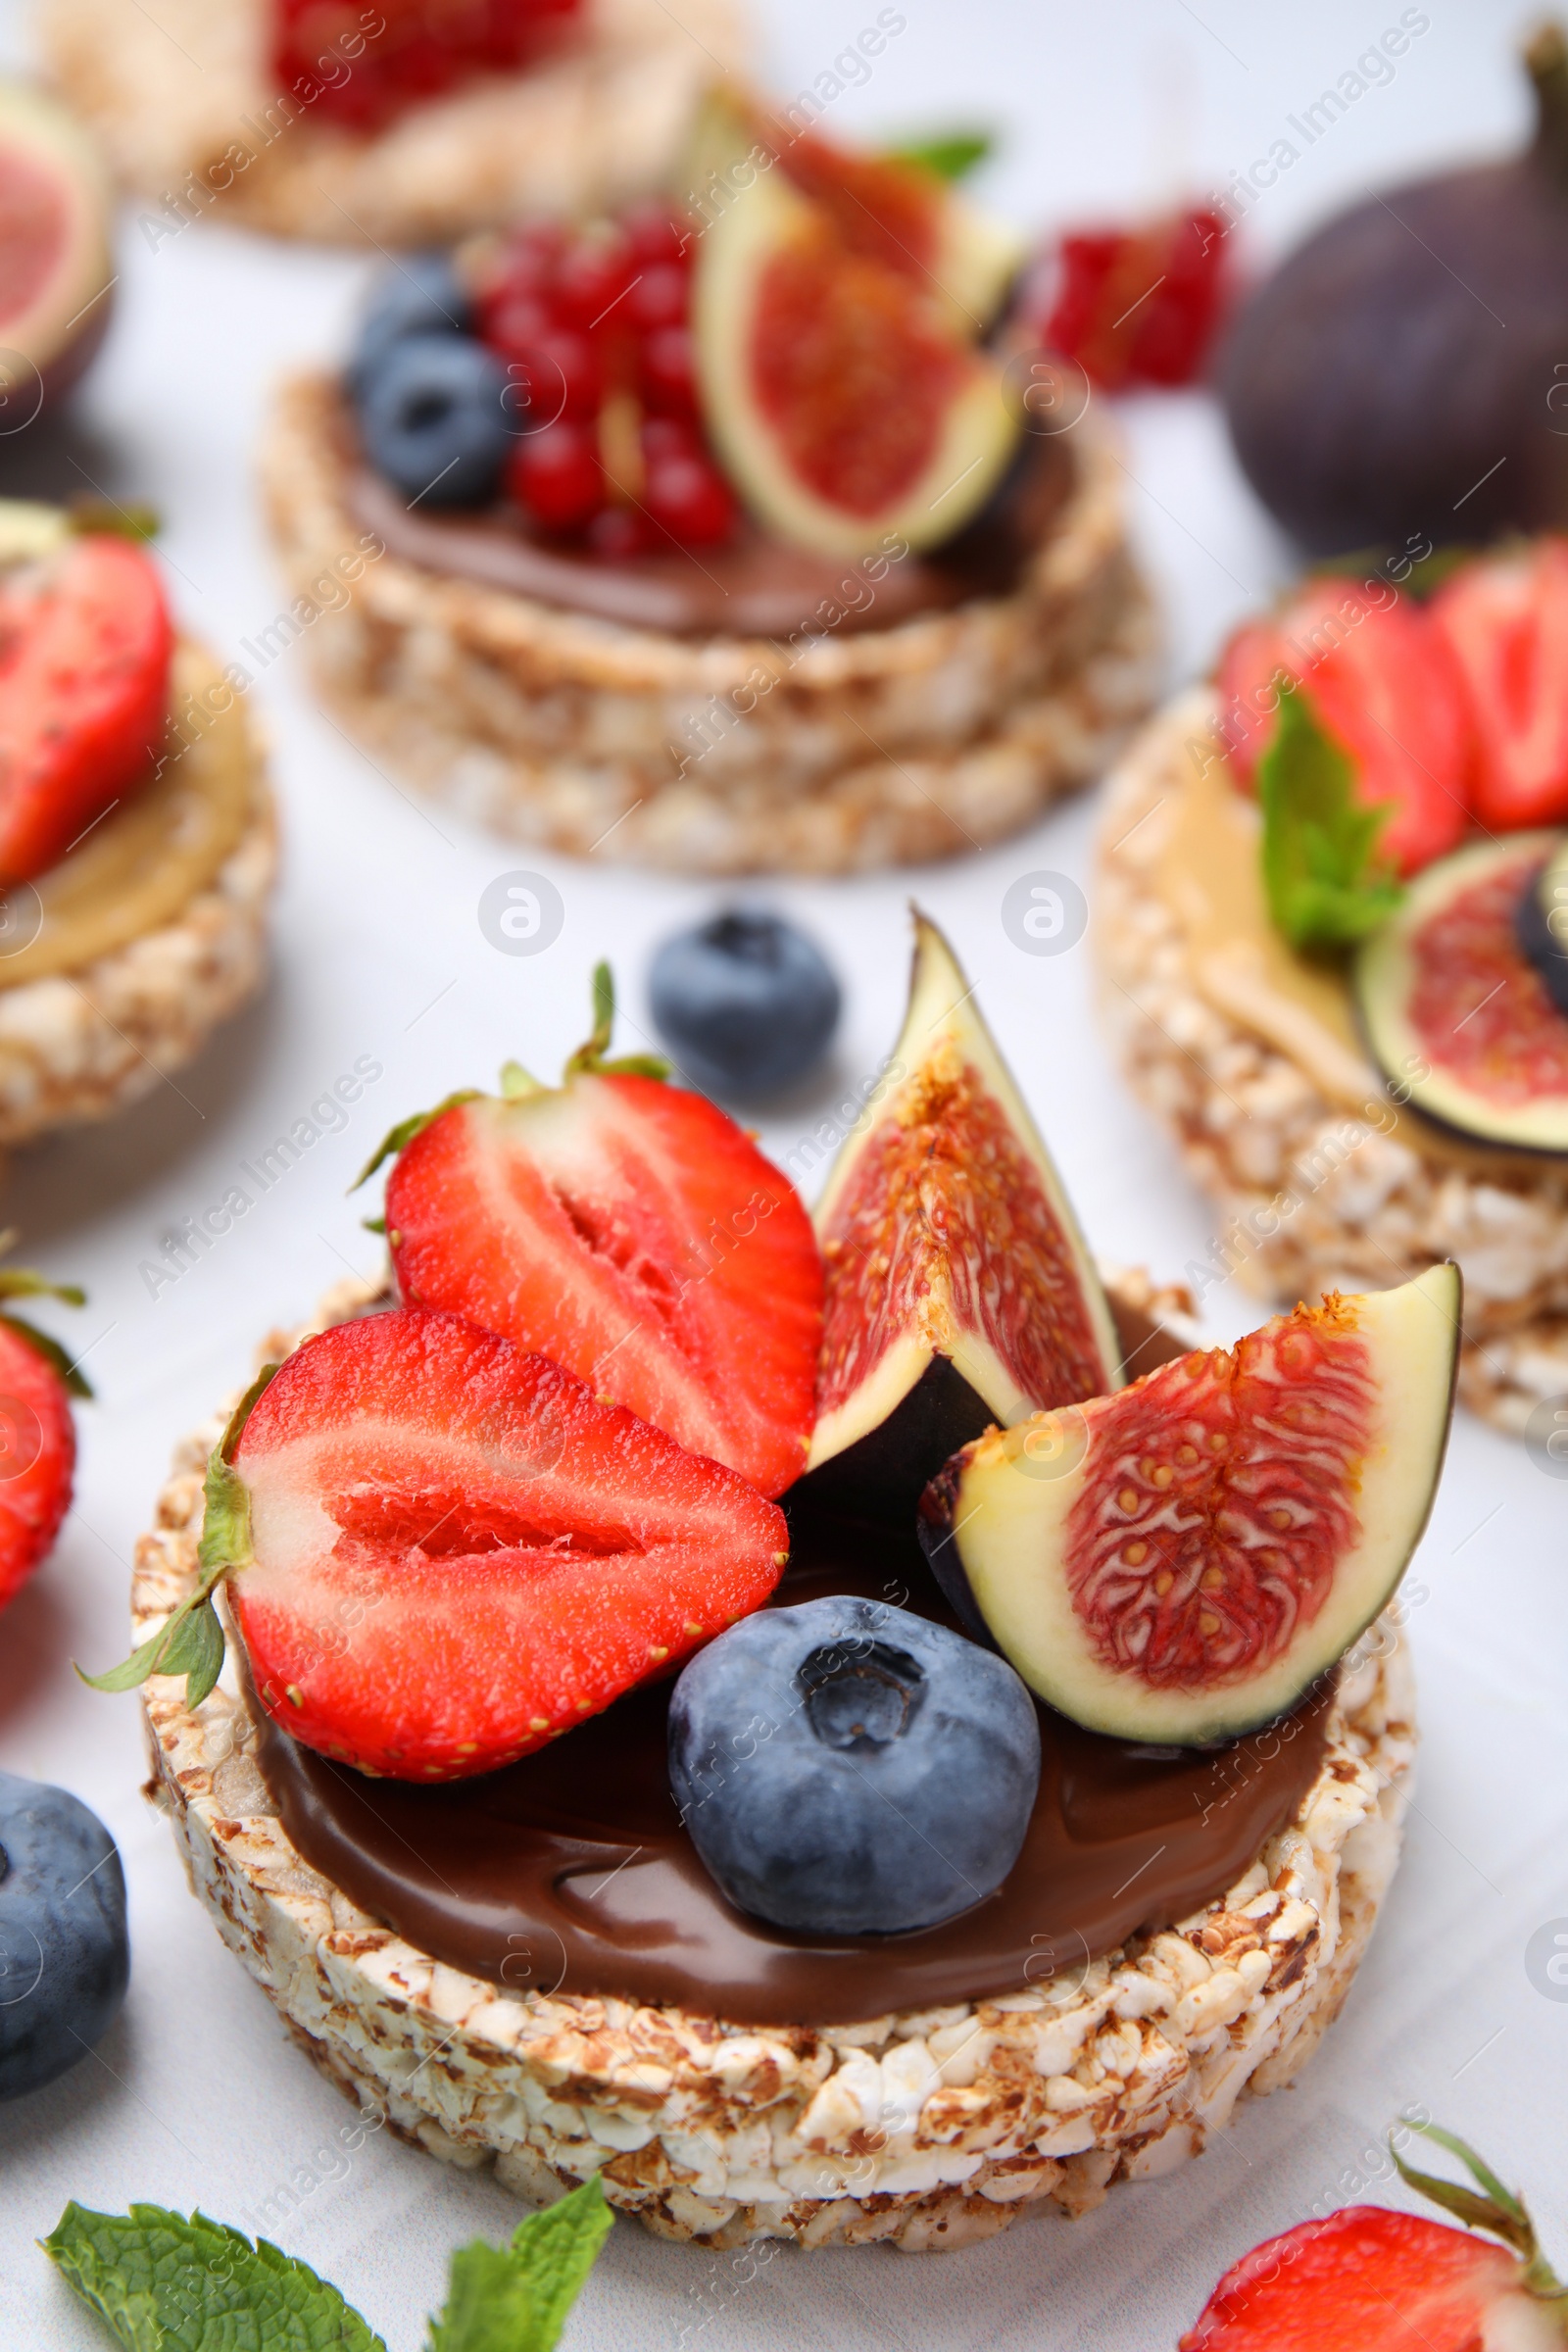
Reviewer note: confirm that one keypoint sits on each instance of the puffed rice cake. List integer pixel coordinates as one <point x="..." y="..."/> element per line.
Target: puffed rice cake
<point x="179" y="93"/>
<point x="926" y="2129"/>
<point x="875" y="747"/>
<point x="1254" y="1121"/>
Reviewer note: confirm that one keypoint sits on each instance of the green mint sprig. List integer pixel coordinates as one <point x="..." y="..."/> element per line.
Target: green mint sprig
<point x="1327" y="885"/>
<point x="165" y="2283"/>
<point x="950" y="154"/>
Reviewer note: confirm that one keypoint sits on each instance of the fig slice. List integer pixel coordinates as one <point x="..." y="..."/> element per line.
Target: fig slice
<point x="1179" y="1562"/>
<point x="848" y="407"/>
<point x="958" y="1289"/>
<point x="56" y="270"/>
<point x="1455" y="1011"/>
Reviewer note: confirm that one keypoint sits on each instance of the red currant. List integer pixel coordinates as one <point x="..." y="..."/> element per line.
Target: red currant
<point x="593" y="276"/>
<point x="691" y="498"/>
<point x="655" y="233"/>
<point x="661" y="297"/>
<point x="557" y="376"/>
<point x="670" y="370"/>
<point x="557" y="476"/>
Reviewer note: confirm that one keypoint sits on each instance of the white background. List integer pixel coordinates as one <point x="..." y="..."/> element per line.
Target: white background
<point x="195" y="2095"/>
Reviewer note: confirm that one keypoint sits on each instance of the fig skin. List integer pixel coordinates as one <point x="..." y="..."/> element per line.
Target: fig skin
<point x="1406" y="370"/>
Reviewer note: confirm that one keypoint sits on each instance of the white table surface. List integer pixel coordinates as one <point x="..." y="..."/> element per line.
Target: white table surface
<point x="195" y="2095"/>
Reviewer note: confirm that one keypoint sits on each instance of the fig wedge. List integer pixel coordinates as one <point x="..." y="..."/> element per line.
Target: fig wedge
<point x="1457" y="1014"/>
<point x="850" y="408"/>
<point x="1180" y="1562"/>
<point x="958" y="1289"/>
<point x="56" y="268"/>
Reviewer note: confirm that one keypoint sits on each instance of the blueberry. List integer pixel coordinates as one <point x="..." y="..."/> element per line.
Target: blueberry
<point x="422" y="296"/>
<point x="434" y="422"/>
<point x="64" y="1953"/>
<point x="745" y="1002"/>
<point x="844" y="1768"/>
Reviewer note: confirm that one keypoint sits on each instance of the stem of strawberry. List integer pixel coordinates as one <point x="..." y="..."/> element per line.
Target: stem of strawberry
<point x="1495" y="2209"/>
<point x="192" y="1641"/>
<point x="590" y="1057"/>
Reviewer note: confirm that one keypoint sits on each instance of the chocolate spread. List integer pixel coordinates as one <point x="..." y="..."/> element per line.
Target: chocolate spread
<point x="753" y="586"/>
<point x="570" y="1871"/>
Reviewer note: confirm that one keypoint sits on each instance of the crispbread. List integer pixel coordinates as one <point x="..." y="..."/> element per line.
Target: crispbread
<point x="927" y="2129"/>
<point x="180" y="93"/>
<point x="1249" y="1119"/>
<point x="875" y="747"/>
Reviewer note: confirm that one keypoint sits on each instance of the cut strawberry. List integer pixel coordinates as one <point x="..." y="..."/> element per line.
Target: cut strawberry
<point x="633" y="1233"/>
<point x="85" y="646"/>
<point x="1383" y="684"/>
<point x="420" y="50"/>
<point x="1505" y="622"/>
<point x="457" y="1553"/>
<point x="1367" y="2278"/>
<point x="38" y="1436"/>
<point x="1363" y="2276"/>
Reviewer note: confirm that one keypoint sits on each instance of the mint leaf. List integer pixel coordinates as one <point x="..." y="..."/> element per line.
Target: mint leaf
<point x="166" y="2284"/>
<point x="516" y="2298"/>
<point x="1326" y="885"/>
<point x="950" y="154"/>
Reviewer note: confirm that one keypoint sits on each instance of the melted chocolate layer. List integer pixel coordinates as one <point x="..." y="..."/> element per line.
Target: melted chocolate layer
<point x="570" y="1870"/>
<point x="754" y="586"/>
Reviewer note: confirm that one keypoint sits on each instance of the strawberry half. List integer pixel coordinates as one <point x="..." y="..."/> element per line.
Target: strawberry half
<point x="1366" y="2276"/>
<point x="38" y="1434"/>
<point x="85" y="647"/>
<point x="631" y="1232"/>
<point x="1383" y="684"/>
<point x="1505" y="622"/>
<point x="455" y="1552"/>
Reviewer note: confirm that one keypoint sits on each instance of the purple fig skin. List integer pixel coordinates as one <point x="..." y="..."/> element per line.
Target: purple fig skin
<point x="934" y="1527"/>
<point x="63" y="370"/>
<point x="1403" y="371"/>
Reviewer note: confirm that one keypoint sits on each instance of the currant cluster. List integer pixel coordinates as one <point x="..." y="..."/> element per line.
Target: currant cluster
<point x="593" y="326"/>
<point x="426" y="48"/>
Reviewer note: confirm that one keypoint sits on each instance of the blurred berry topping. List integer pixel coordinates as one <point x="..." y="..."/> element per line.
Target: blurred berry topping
<point x="327" y="55"/>
<point x="1132" y="307"/>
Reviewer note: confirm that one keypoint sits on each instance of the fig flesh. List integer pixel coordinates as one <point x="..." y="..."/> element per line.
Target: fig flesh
<point x="1401" y="372"/>
<point x="848" y="408"/>
<point x="959" y="1290"/>
<point x="1180" y="1561"/>
<point x="1456" y="1013"/>
<point x="56" y="270"/>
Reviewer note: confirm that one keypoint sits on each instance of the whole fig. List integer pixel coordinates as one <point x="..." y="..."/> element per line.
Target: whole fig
<point x="1407" y="368"/>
